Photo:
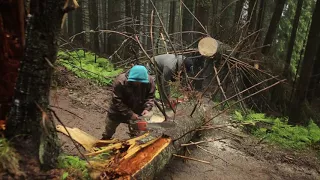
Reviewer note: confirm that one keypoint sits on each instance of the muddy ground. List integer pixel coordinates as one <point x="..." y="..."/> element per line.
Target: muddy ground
<point x="232" y="155"/>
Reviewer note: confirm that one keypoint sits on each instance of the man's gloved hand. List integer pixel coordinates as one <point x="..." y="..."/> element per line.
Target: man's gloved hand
<point x="135" y="116"/>
<point x="144" y="112"/>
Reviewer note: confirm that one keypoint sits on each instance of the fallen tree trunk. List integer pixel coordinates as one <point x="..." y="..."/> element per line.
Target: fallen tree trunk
<point x="142" y="157"/>
<point x="151" y="160"/>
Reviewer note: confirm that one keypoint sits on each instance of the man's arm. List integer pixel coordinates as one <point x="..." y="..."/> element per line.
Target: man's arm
<point x="149" y="102"/>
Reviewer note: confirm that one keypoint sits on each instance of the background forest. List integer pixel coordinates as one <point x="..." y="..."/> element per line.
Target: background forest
<point x="264" y="80"/>
<point x="269" y="34"/>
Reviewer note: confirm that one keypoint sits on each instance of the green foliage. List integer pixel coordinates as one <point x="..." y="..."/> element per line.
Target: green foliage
<point x="84" y="66"/>
<point x="157" y="94"/>
<point x="9" y="160"/>
<point x="65" y="175"/>
<point x="277" y="130"/>
<point x="74" y="166"/>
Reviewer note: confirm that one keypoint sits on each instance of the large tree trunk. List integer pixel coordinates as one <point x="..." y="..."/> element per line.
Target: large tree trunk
<point x="86" y="22"/>
<point x="132" y="11"/>
<point x="172" y="17"/>
<point x="187" y="21"/>
<point x="260" y="20"/>
<point x="273" y="26"/>
<point x="226" y="19"/>
<point x="104" y="25"/>
<point x="151" y="160"/>
<point x="11" y="51"/>
<point x="295" y="24"/>
<point x="314" y="92"/>
<point x="215" y="21"/>
<point x="299" y="97"/>
<point x="70" y="24"/>
<point x="252" y="15"/>
<point x="34" y="80"/>
<point x="94" y="37"/>
<point x="114" y="15"/>
<point x="238" y="10"/>
<point x="78" y="24"/>
<point x="201" y="13"/>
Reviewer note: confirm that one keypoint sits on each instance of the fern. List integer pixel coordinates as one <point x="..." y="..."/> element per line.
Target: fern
<point x="279" y="132"/>
<point x="74" y="166"/>
<point x="100" y="71"/>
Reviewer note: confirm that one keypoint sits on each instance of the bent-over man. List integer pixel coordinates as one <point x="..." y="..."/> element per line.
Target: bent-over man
<point x="169" y="65"/>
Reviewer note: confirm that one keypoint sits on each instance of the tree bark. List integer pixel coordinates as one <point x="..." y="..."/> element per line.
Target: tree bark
<point x="94" y="25"/>
<point x="70" y="24"/>
<point x="273" y="26"/>
<point x="291" y="43"/>
<point x="252" y="15"/>
<point x="11" y="51"/>
<point x="202" y="13"/>
<point x="216" y="10"/>
<point x="129" y="14"/>
<point x="151" y="160"/>
<point x="187" y="21"/>
<point x="86" y="22"/>
<point x="172" y="17"/>
<point x="238" y="10"/>
<point x="114" y="14"/>
<point x="104" y="25"/>
<point x="299" y="97"/>
<point x="78" y="24"/>
<point x="313" y="92"/>
<point x="34" y="80"/>
<point x="260" y="20"/>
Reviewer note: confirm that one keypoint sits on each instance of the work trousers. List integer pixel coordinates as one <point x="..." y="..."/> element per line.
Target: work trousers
<point x="112" y="122"/>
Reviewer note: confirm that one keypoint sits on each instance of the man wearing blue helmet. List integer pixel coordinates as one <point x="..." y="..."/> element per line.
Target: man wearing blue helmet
<point x="133" y="96"/>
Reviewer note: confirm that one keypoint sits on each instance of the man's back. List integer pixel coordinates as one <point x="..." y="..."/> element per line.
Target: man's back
<point x="169" y="60"/>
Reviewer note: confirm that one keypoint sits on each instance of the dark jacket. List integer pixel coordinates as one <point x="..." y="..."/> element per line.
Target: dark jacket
<point x="128" y="99"/>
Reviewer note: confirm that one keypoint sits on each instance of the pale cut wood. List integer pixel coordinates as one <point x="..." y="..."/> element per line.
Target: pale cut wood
<point x="208" y="46"/>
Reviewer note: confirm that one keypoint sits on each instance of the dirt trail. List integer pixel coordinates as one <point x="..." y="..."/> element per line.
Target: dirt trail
<point x="233" y="157"/>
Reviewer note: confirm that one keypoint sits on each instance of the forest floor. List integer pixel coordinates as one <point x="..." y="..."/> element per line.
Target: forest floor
<point x="235" y="156"/>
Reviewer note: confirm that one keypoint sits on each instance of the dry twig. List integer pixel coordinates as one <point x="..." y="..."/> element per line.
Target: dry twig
<point x="190" y="158"/>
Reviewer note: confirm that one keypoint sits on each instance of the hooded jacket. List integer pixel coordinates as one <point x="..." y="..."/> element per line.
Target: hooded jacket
<point x="128" y="99"/>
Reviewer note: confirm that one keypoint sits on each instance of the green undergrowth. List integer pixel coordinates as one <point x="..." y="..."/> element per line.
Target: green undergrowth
<point x="9" y="159"/>
<point x="279" y="132"/>
<point x="87" y="65"/>
<point x="74" y="167"/>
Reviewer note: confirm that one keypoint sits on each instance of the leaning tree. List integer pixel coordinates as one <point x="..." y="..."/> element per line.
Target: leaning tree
<point x="28" y="123"/>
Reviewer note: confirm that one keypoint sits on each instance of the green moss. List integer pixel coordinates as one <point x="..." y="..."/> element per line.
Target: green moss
<point x="88" y="66"/>
<point x="279" y="132"/>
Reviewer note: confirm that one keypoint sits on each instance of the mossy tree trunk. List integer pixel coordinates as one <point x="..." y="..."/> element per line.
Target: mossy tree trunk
<point x="34" y="80"/>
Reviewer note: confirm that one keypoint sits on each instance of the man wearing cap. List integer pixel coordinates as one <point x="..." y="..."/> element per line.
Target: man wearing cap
<point x="169" y="65"/>
<point x="133" y="96"/>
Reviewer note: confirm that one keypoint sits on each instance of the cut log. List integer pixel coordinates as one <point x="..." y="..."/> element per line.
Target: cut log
<point x="208" y="47"/>
<point x="151" y="160"/>
<point x="142" y="157"/>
